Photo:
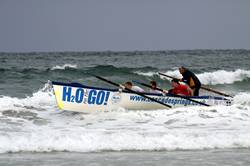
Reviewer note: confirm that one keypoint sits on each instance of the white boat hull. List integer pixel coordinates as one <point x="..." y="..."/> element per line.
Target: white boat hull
<point x="80" y="98"/>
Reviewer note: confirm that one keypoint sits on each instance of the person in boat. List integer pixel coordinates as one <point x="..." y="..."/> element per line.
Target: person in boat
<point x="129" y="85"/>
<point x="180" y="89"/>
<point x="191" y="79"/>
<point x="154" y="88"/>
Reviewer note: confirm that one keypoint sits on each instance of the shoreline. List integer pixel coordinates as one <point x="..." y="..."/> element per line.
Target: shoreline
<point x="222" y="157"/>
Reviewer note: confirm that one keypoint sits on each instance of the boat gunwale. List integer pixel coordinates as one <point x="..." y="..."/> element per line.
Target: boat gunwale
<point x="75" y="84"/>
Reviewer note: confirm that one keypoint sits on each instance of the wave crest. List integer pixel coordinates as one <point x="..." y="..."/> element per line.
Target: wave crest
<point x="224" y="77"/>
<point x="209" y="78"/>
<point x="63" y="67"/>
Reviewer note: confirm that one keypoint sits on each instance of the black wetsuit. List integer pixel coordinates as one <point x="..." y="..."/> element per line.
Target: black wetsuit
<point x="193" y="82"/>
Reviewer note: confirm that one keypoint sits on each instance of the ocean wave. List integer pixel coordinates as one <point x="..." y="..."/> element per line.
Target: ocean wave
<point x="148" y="74"/>
<point x="242" y="99"/>
<point x="101" y="68"/>
<point x="183" y="128"/>
<point x="35" y="124"/>
<point x="209" y="78"/>
<point x="105" y="70"/>
<point x="63" y="67"/>
<point x="42" y="98"/>
<point x="224" y="77"/>
<point x="89" y="141"/>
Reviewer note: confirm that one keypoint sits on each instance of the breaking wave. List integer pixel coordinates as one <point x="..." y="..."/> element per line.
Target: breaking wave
<point x="63" y="67"/>
<point x="35" y="124"/>
<point x="210" y="78"/>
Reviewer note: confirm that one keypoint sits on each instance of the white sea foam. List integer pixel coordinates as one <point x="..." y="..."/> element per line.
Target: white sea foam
<point x="242" y="99"/>
<point x="63" y="67"/>
<point x="210" y="78"/>
<point x="43" y="97"/>
<point x="224" y="77"/>
<point x="48" y="129"/>
<point x="149" y="74"/>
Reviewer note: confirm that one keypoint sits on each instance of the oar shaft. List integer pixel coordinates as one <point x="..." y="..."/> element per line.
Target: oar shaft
<point x="167" y="75"/>
<point x="129" y="90"/>
<point x="215" y="91"/>
<point x="103" y="79"/>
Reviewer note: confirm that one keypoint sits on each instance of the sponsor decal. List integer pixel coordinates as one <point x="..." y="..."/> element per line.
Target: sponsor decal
<point x="116" y="98"/>
<point x="166" y="100"/>
<point x="81" y="95"/>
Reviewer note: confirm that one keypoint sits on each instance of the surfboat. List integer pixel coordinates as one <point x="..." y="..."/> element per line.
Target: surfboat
<point x="81" y="98"/>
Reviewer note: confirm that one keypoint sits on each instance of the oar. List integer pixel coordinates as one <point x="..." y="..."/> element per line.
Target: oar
<point x="167" y="75"/>
<point x="215" y="91"/>
<point x="138" y="93"/>
<point x="184" y="97"/>
<point x="202" y="87"/>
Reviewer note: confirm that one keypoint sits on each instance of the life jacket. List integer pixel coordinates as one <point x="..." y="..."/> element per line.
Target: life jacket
<point x="181" y="90"/>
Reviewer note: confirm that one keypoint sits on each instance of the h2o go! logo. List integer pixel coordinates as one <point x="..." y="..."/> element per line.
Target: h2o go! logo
<point x="97" y="97"/>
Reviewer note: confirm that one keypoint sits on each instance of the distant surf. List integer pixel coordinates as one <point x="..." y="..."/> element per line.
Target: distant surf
<point x="63" y="67"/>
<point x="209" y="78"/>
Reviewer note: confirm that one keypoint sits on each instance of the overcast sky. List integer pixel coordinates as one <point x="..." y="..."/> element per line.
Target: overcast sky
<point x="119" y="25"/>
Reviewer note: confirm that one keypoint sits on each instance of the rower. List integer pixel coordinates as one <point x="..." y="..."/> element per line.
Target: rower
<point x="154" y="88"/>
<point x="191" y="79"/>
<point x="180" y="89"/>
<point x="129" y="85"/>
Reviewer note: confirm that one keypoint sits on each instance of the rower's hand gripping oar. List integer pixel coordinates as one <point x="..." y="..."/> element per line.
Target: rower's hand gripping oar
<point x="138" y="93"/>
<point x="202" y="87"/>
<point x="174" y="95"/>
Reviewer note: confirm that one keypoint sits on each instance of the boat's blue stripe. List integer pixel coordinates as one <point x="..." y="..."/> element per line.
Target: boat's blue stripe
<point x="115" y="90"/>
<point x="82" y="86"/>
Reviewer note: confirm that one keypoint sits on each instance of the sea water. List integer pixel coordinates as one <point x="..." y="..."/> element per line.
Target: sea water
<point x="34" y="131"/>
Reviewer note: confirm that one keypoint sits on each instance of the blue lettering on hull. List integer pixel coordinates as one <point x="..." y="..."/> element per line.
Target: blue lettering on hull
<point x="166" y="100"/>
<point x="97" y="97"/>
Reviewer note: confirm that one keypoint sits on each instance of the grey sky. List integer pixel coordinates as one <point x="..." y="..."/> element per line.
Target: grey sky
<point x="96" y="25"/>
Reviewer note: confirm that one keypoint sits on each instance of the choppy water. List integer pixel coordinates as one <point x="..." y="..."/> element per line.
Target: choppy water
<point x="31" y="122"/>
